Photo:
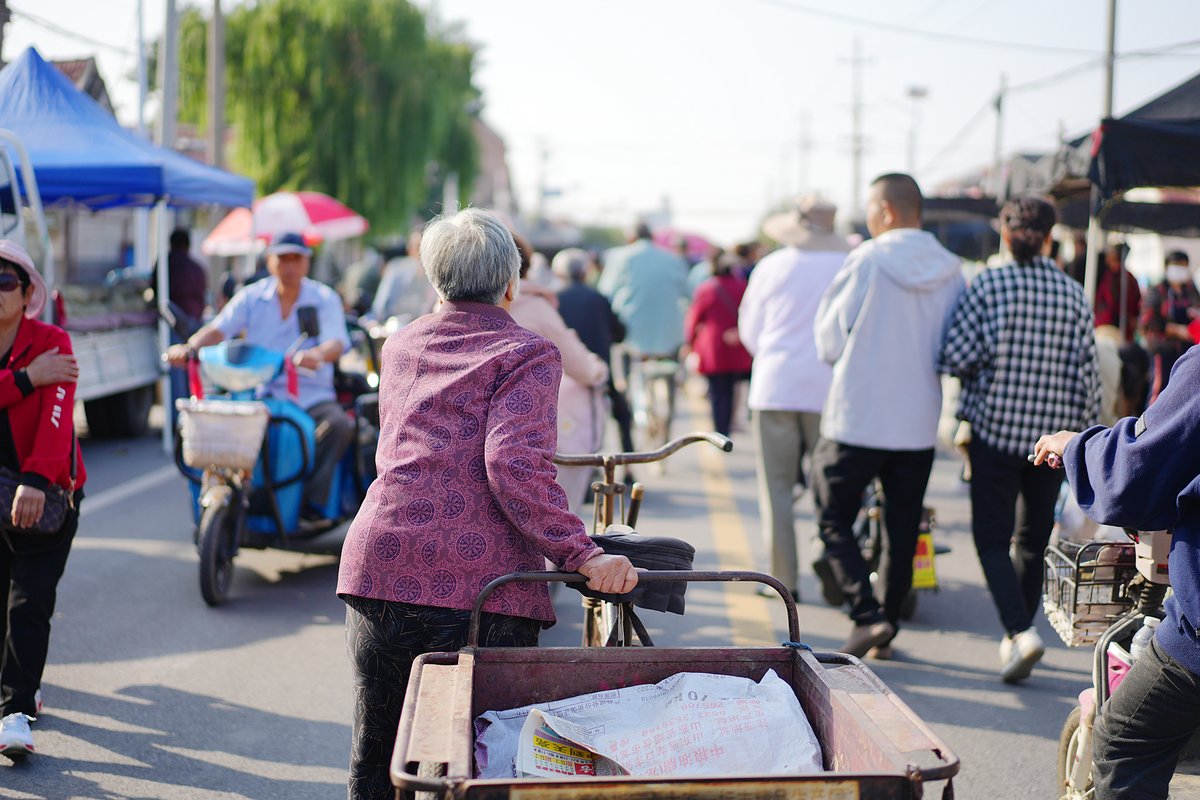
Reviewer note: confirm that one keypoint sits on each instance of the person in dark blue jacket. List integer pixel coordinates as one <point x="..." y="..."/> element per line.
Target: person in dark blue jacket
<point x="1144" y="473"/>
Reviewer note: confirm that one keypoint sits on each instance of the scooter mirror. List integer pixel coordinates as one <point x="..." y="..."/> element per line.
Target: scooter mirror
<point x="310" y="323"/>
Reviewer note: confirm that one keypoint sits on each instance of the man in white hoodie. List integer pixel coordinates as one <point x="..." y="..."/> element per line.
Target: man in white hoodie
<point x="880" y="325"/>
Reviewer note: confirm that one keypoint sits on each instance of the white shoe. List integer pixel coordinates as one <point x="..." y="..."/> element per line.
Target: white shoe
<point x="15" y="738"/>
<point x="1025" y="651"/>
<point x="1006" y="646"/>
<point x="37" y="703"/>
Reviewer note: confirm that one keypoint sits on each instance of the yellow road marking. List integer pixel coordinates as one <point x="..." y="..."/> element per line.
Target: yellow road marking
<point x="747" y="612"/>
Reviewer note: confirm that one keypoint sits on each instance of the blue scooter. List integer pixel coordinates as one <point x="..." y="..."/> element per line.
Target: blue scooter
<point x="247" y="456"/>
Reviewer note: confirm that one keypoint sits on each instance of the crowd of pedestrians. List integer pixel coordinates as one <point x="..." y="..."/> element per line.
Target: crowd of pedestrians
<point x="844" y="348"/>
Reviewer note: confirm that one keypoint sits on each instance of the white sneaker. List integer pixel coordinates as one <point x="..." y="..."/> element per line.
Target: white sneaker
<point x="1025" y="651"/>
<point x="37" y="703"/>
<point x="15" y="738"/>
<point x="1006" y="646"/>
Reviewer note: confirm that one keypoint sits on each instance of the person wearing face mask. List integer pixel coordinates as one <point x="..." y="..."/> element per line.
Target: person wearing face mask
<point x="1167" y="311"/>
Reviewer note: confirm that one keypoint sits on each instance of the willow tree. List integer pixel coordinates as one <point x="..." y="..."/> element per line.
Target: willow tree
<point x="356" y="98"/>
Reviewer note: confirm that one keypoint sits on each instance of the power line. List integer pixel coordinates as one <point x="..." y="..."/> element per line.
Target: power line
<point x="61" y="31"/>
<point x="954" y="142"/>
<point x="953" y="38"/>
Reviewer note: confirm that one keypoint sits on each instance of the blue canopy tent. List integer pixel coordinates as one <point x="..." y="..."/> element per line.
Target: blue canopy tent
<point x="81" y="154"/>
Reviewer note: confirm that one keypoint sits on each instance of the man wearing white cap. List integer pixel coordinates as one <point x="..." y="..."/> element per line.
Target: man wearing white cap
<point x="789" y="382"/>
<point x="267" y="313"/>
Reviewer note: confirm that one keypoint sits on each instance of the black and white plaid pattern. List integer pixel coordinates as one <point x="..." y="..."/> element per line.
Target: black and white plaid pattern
<point x="1021" y="339"/>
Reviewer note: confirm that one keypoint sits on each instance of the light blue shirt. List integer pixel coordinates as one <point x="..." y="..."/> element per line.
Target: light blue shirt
<point x="648" y="288"/>
<point x="254" y="314"/>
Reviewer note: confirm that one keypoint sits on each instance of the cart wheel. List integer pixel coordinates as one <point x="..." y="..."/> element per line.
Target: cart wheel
<point x="217" y="544"/>
<point x="1069" y="753"/>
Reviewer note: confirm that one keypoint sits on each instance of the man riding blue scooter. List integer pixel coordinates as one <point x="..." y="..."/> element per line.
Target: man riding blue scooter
<point x="268" y="313"/>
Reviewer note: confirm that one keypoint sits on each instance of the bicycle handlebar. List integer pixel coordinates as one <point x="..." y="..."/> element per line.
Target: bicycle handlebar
<point x="718" y="441"/>
<point x="644" y="577"/>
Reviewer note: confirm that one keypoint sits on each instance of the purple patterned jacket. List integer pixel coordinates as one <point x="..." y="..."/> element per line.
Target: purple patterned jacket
<point x="466" y="488"/>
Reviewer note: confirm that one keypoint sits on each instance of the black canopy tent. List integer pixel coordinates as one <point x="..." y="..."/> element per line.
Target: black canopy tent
<point x="1157" y="144"/>
<point x="1154" y="145"/>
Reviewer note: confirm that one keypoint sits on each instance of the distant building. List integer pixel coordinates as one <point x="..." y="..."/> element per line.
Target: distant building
<point x="84" y="73"/>
<point x="493" y="186"/>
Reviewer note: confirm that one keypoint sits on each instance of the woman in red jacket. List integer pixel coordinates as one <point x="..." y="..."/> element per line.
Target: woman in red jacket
<point x="37" y="441"/>
<point x="712" y="333"/>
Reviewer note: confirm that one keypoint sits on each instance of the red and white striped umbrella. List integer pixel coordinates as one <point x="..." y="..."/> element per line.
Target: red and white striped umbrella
<point x="316" y="216"/>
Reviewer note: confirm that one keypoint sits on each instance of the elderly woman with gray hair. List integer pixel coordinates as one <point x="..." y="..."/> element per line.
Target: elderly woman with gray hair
<point x="465" y="491"/>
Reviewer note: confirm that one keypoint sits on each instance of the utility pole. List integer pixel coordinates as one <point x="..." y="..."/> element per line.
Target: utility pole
<point x="168" y="77"/>
<point x="1095" y="237"/>
<point x="857" y="145"/>
<point x="168" y="83"/>
<point x="141" y="216"/>
<point x="998" y="147"/>
<point x="806" y="146"/>
<point x="216" y="87"/>
<point x="5" y="16"/>
<point x="544" y="159"/>
<point x="916" y="94"/>
<point x="1110" y="58"/>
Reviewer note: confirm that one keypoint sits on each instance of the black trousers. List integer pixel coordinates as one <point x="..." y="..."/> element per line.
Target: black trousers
<point x="622" y="414"/>
<point x="335" y="432"/>
<point x="30" y="568"/>
<point x="721" y="386"/>
<point x="384" y="638"/>
<point x="1141" y="730"/>
<point x="1012" y="514"/>
<point x="841" y="473"/>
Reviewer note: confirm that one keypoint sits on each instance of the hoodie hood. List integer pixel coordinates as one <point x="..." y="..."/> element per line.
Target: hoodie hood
<point x="914" y="259"/>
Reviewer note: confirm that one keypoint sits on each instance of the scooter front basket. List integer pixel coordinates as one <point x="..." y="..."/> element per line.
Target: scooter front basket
<point x="221" y="433"/>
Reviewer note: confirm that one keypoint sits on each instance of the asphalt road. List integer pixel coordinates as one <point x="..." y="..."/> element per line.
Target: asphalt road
<point x="151" y="694"/>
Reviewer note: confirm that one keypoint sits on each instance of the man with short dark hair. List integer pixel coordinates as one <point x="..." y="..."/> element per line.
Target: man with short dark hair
<point x="880" y="325"/>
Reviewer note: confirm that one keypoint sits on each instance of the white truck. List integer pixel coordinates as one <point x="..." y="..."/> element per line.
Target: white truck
<point x="118" y="354"/>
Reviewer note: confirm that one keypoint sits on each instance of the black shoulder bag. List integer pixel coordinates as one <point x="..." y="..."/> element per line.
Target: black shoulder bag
<point x="59" y="502"/>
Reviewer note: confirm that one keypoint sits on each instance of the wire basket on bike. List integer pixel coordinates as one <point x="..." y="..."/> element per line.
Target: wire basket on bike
<point x="1086" y="587"/>
<point x="222" y="433"/>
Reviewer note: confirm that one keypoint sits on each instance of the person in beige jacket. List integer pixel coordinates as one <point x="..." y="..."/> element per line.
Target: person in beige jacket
<point x="581" y="412"/>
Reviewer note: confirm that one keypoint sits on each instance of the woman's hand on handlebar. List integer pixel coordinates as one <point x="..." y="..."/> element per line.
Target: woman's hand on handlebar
<point x="609" y="574"/>
<point x="1049" y="449"/>
<point x="52" y="367"/>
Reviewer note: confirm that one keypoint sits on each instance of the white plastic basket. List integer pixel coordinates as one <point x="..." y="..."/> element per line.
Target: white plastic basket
<point x="222" y="433"/>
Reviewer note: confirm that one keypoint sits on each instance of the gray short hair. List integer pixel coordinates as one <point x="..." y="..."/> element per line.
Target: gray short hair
<point x="469" y="256"/>
<point x="571" y="264"/>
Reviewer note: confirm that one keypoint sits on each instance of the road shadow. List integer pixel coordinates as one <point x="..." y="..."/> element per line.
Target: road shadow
<point x="271" y="597"/>
<point x="135" y="747"/>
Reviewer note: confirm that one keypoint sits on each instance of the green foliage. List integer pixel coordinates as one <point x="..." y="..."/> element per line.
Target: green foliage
<point x="355" y="98"/>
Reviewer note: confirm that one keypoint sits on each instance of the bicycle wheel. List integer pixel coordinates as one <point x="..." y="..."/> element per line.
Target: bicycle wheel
<point x="1070" y="752"/>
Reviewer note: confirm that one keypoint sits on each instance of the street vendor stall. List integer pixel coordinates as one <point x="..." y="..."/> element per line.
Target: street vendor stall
<point x="82" y="158"/>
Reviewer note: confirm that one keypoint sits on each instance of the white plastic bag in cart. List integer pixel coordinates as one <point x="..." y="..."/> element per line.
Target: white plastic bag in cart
<point x="691" y="723"/>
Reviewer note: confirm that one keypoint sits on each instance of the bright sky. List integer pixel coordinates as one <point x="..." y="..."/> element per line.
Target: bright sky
<point x="706" y="102"/>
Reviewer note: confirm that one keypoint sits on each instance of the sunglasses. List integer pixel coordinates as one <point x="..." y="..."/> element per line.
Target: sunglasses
<point x="10" y="282"/>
